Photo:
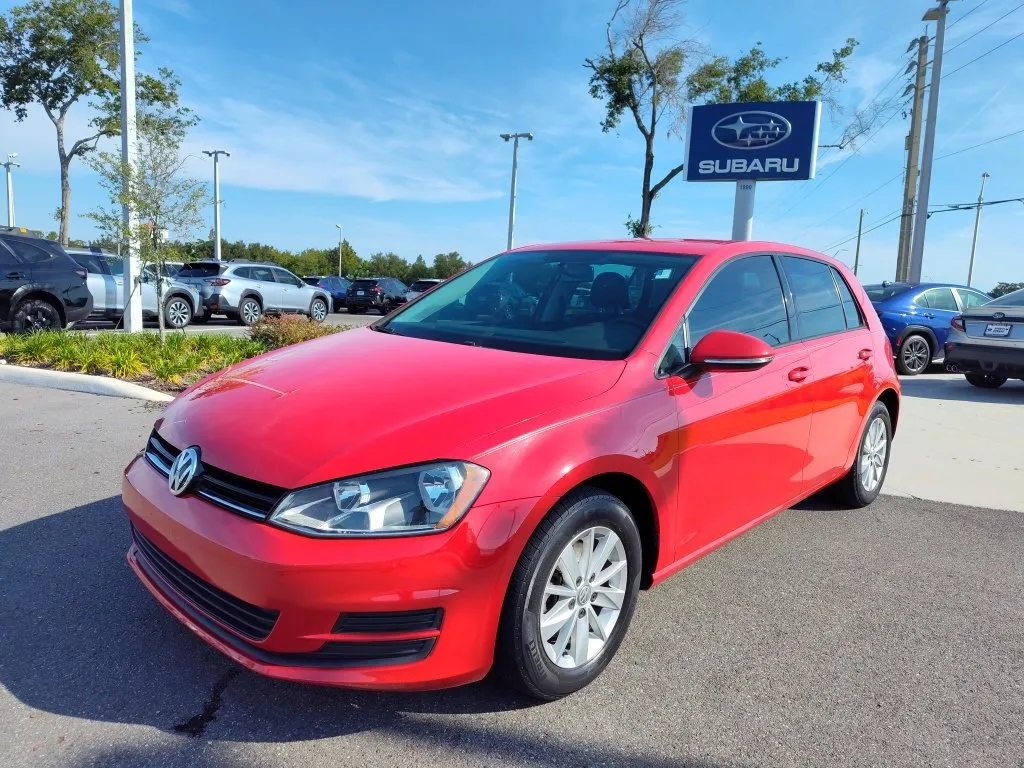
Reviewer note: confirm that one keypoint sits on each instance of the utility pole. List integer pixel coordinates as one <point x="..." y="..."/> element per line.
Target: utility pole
<point x="938" y="15"/>
<point x="856" y="254"/>
<point x="215" y="154"/>
<point x="515" y="137"/>
<point x="977" y="223"/>
<point x="10" y="187"/>
<point x="339" y="250"/>
<point x="129" y="149"/>
<point x="913" y="157"/>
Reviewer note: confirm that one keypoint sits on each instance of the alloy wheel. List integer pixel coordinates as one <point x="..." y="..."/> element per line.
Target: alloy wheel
<point x="916" y="354"/>
<point x="178" y="314"/>
<point x="583" y="597"/>
<point x="873" y="453"/>
<point x="250" y="312"/>
<point x="319" y="311"/>
<point x="38" y="320"/>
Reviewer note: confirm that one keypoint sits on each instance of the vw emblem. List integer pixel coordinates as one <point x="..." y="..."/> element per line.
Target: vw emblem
<point x="183" y="471"/>
<point x="751" y="130"/>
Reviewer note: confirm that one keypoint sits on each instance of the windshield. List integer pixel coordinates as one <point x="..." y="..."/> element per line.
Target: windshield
<point x="1015" y="299"/>
<point x="200" y="269"/>
<point x="311" y="280"/>
<point x="589" y="304"/>
<point x="885" y="291"/>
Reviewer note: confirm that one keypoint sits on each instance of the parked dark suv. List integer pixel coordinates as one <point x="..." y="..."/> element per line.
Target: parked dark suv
<point x="380" y="293"/>
<point x="336" y="286"/>
<point x="41" y="288"/>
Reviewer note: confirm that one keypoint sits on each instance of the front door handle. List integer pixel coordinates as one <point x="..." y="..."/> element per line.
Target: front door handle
<point x="798" y="374"/>
<point x="864" y="354"/>
<point x="16" y="276"/>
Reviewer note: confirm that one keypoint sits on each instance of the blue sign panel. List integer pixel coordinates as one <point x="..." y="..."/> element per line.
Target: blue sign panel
<point x="775" y="141"/>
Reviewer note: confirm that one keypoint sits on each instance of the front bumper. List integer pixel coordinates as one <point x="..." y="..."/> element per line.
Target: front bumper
<point x="988" y="359"/>
<point x="328" y="607"/>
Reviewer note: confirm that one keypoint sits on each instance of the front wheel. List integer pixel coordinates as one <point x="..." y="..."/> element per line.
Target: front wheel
<point x="318" y="310"/>
<point x="571" y="596"/>
<point x="177" y="313"/>
<point x="864" y="481"/>
<point x="985" y="381"/>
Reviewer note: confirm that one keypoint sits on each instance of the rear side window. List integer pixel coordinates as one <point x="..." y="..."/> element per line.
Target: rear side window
<point x="201" y="270"/>
<point x="850" y="306"/>
<point x="28" y="253"/>
<point x="92" y="263"/>
<point x="819" y="310"/>
<point x="745" y="296"/>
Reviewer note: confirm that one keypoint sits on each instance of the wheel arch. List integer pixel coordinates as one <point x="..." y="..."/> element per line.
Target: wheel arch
<point x="35" y="291"/>
<point x="250" y="293"/>
<point x="920" y="330"/>
<point x="891" y="400"/>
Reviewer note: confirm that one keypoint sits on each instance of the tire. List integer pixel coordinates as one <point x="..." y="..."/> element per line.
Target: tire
<point x="249" y="311"/>
<point x="35" y="315"/>
<point x="386" y="307"/>
<point x="858" y="489"/>
<point x="318" y="310"/>
<point x="914" y="355"/>
<point x="524" y="657"/>
<point x="177" y="312"/>
<point x="984" y="380"/>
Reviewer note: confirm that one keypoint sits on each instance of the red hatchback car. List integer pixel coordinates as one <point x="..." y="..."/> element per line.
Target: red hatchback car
<point x="488" y="476"/>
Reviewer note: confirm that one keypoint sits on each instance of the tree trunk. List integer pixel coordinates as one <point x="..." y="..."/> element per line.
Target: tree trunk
<point x="65" y="183"/>
<point x="647" y="198"/>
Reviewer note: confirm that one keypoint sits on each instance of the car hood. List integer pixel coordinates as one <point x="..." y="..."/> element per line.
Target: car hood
<point x="363" y="400"/>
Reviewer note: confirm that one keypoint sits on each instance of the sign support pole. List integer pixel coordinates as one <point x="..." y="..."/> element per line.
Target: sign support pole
<point x="743" y="211"/>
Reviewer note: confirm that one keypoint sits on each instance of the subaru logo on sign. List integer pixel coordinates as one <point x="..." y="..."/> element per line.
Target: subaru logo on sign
<point x="183" y="471"/>
<point x="751" y="130"/>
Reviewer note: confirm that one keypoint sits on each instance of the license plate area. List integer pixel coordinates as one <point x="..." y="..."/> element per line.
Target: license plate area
<point x="998" y="330"/>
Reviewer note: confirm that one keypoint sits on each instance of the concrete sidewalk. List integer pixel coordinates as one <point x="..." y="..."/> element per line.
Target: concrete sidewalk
<point x="960" y="444"/>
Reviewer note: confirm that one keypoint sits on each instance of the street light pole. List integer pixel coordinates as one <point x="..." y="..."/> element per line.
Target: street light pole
<point x="860" y="229"/>
<point x="10" y="187"/>
<point x="515" y="165"/>
<point x="977" y="223"/>
<point x="129" y="149"/>
<point x="215" y="154"/>
<point x="938" y="15"/>
<point x="339" y="250"/>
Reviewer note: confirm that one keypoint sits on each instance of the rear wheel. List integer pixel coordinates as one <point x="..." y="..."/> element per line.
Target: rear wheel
<point x="914" y="355"/>
<point x="249" y="311"/>
<point x="864" y="481"/>
<point x="571" y="596"/>
<point x="386" y="307"/>
<point x="35" y="315"/>
<point x="985" y="381"/>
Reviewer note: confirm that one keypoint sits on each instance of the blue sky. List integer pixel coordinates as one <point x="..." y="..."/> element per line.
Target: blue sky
<point x="385" y="117"/>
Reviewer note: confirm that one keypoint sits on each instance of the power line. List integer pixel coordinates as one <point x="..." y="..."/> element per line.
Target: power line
<point x="972" y="206"/>
<point x="982" y="144"/>
<point x="957" y="21"/>
<point x="990" y="24"/>
<point x="986" y="53"/>
<point x="870" y="229"/>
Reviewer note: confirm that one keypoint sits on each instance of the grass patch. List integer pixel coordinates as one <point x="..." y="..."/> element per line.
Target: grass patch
<point x="182" y="359"/>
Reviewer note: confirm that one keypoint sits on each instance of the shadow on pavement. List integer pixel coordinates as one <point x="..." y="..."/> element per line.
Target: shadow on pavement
<point x="79" y="636"/>
<point x="945" y="388"/>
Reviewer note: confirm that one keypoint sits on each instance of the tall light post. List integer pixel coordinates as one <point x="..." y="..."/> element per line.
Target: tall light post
<point x="339" y="249"/>
<point x="938" y="15"/>
<point x="860" y="230"/>
<point x="977" y="223"/>
<point x="10" y="186"/>
<point x="129" y="149"/>
<point x="514" y="137"/>
<point x="215" y="154"/>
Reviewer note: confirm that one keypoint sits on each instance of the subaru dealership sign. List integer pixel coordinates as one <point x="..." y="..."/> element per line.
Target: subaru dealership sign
<point x="775" y="141"/>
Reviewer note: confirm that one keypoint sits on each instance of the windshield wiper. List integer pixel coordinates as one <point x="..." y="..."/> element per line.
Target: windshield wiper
<point x="383" y="329"/>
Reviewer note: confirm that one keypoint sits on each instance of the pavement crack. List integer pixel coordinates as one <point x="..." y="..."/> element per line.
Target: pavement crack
<point x="196" y="725"/>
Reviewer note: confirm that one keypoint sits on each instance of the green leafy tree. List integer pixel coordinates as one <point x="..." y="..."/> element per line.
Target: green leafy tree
<point x="388" y="265"/>
<point x="1002" y="289"/>
<point x="448" y="264"/>
<point x="351" y="264"/>
<point x="641" y="73"/>
<point x="57" y="53"/>
<point x="418" y="270"/>
<point x="156" y="187"/>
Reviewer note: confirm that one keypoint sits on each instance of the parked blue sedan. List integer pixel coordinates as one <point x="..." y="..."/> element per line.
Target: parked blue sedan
<point x="916" y="318"/>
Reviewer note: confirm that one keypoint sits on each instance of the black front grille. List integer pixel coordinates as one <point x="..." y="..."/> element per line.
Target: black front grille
<point x="246" y="619"/>
<point x="380" y="652"/>
<point x="227" y="490"/>
<point x="389" y="621"/>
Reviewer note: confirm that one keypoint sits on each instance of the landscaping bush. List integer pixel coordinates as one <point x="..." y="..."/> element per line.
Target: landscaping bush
<point x="283" y="330"/>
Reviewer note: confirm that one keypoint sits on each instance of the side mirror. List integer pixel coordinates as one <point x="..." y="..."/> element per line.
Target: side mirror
<point x="731" y="351"/>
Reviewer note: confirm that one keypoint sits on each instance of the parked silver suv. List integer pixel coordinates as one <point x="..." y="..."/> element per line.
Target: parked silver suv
<point x="246" y="290"/>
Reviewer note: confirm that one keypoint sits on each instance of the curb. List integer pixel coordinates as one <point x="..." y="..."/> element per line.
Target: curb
<point x="79" y="382"/>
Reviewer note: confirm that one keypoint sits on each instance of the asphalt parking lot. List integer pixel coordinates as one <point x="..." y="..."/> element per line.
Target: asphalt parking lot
<point x="891" y="636"/>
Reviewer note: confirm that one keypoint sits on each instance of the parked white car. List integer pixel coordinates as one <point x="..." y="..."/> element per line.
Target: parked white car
<point x="182" y="303"/>
<point x="421" y="286"/>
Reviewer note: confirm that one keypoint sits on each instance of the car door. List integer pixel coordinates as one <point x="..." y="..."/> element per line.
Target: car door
<point x="100" y="281"/>
<point x="13" y="275"/>
<point x="742" y="434"/>
<point x="266" y="284"/>
<point x="936" y="309"/>
<point x="831" y="324"/>
<point x="286" y="288"/>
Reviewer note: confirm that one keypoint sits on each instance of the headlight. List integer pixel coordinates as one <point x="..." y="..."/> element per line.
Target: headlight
<point x="411" y="500"/>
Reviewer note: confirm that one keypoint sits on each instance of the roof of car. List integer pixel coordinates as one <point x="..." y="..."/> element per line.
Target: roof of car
<point x="902" y="284"/>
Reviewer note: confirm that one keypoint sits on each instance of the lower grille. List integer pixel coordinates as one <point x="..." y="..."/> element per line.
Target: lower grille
<point x="246" y="619"/>
<point x="389" y="621"/>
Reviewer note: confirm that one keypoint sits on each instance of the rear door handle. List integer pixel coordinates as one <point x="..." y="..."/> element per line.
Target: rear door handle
<point x="864" y="354"/>
<point x="798" y="374"/>
<point x="16" y="276"/>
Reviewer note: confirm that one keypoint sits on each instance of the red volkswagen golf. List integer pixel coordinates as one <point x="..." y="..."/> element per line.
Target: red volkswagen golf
<point x="488" y="476"/>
